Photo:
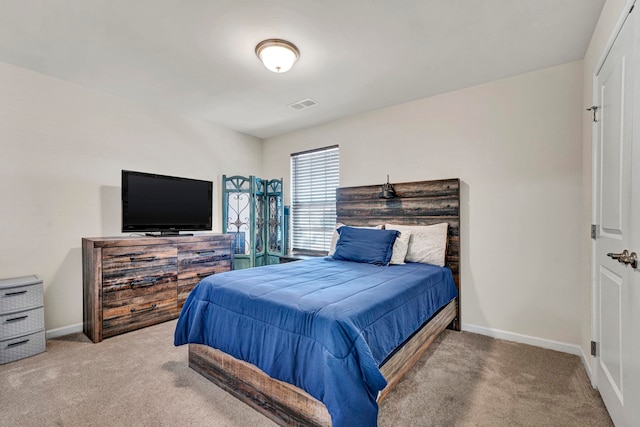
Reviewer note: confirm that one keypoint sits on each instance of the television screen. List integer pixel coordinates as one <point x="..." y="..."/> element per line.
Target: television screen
<point x="167" y="204"/>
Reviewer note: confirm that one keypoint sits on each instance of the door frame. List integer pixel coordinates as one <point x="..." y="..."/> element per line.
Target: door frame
<point x="595" y="174"/>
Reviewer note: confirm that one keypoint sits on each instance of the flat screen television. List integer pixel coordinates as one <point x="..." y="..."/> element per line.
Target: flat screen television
<point x="165" y="204"/>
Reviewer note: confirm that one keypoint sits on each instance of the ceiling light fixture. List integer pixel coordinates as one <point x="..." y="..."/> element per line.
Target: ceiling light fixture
<point x="277" y="55"/>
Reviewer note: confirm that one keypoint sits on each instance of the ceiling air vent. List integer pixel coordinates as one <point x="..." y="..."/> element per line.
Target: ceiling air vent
<point x="302" y="105"/>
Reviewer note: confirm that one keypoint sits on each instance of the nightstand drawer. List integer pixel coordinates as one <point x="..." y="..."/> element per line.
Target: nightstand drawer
<point x="21" y="323"/>
<point x="21" y="347"/>
<point x="20" y="297"/>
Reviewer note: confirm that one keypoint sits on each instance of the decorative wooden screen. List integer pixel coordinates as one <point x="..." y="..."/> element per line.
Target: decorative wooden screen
<point x="276" y="236"/>
<point x="253" y="211"/>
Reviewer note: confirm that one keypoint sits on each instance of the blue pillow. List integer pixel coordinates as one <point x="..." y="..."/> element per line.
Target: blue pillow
<point x="365" y="245"/>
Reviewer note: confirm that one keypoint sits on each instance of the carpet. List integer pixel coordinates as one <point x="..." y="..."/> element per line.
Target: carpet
<point x="141" y="379"/>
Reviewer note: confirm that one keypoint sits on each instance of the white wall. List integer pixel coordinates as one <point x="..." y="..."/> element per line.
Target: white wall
<point x="63" y="147"/>
<point x="516" y="144"/>
<point x="611" y="12"/>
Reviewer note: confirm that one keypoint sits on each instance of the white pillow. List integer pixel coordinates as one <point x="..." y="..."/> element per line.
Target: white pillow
<point x="427" y="244"/>
<point x="400" y="247"/>
<point x="334" y="238"/>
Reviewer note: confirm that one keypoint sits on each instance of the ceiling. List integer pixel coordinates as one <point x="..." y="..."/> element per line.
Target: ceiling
<point x="196" y="57"/>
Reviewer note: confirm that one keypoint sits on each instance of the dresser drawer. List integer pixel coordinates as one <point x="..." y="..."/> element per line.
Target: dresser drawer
<point x="198" y="260"/>
<point x="137" y="287"/>
<point x="132" y="267"/>
<point x="20" y="297"/>
<point x="118" y="261"/>
<point x="128" y="314"/>
<point x="21" y="347"/>
<point x="21" y="323"/>
<point x="147" y="280"/>
<point x="198" y="256"/>
<point x="189" y="280"/>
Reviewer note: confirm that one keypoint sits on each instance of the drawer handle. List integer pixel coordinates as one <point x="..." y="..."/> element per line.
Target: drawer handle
<point x="15" y="344"/>
<point x="13" y="294"/>
<point x="201" y="275"/>
<point x="142" y="258"/>
<point x="205" y="253"/>
<point x="16" y="319"/>
<point x="201" y="261"/>
<point x="147" y="281"/>
<point x="132" y="254"/>
<point x="151" y="307"/>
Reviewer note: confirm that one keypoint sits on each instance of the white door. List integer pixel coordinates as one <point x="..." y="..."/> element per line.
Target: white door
<point x="617" y="212"/>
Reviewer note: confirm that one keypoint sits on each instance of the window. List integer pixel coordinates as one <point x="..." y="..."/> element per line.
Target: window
<point x="314" y="179"/>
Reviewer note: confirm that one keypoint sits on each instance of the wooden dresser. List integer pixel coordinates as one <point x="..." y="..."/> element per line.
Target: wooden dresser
<point x="134" y="282"/>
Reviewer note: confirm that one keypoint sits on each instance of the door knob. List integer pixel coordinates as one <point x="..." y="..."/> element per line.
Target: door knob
<point x="619" y="256"/>
<point x="625" y="257"/>
<point x="631" y="259"/>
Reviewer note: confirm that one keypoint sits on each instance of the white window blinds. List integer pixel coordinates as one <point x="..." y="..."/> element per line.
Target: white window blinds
<point x="314" y="179"/>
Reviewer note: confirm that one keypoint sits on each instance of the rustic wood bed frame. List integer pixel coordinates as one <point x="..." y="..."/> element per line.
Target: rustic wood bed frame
<point x="417" y="203"/>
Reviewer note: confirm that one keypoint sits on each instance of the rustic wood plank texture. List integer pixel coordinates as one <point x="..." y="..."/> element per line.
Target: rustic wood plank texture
<point x="436" y="188"/>
<point x="140" y="313"/>
<point x="133" y="282"/>
<point x="137" y="288"/>
<point x="420" y="206"/>
<point x="91" y="294"/>
<point x="108" y="242"/>
<point x="197" y="260"/>
<point x="118" y="260"/>
<point x="188" y="280"/>
<point x="283" y="403"/>
<point x="194" y="259"/>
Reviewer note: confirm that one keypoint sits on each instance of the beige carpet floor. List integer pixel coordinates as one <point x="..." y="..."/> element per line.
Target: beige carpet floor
<point x="141" y="379"/>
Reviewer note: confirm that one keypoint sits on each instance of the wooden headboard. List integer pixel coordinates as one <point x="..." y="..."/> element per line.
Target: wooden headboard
<point x="417" y="203"/>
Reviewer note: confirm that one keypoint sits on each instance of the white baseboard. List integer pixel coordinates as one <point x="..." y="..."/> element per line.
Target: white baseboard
<point x="586" y="362"/>
<point x="66" y="330"/>
<point x="524" y="339"/>
<point x="535" y="341"/>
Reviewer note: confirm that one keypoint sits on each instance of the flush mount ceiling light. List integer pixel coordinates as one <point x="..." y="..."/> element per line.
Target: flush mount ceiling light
<point x="277" y="55"/>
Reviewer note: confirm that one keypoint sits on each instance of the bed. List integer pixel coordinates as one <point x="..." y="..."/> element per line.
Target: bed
<point x="356" y="327"/>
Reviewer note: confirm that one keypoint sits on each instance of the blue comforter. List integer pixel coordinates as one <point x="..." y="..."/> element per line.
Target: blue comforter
<point x="322" y="325"/>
